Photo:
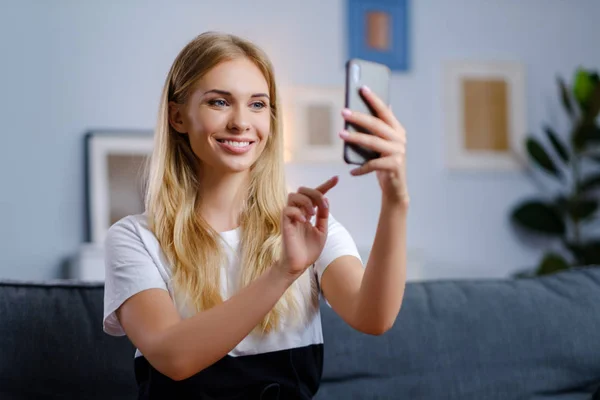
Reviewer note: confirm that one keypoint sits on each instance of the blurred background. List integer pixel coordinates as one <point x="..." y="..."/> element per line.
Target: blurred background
<point x="74" y="67"/>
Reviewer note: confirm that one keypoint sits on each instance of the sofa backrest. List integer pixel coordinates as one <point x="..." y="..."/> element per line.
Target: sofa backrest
<point x="52" y="345"/>
<point x="536" y="338"/>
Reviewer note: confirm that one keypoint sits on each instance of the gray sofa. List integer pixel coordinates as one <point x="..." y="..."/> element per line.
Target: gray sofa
<point x="534" y="339"/>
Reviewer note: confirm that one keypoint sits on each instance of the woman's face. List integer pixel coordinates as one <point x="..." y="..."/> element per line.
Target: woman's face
<point x="227" y="116"/>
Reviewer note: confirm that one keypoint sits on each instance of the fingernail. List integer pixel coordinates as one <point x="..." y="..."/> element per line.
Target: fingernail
<point x="344" y="134"/>
<point x="302" y="218"/>
<point x="366" y="89"/>
<point x="346" y="112"/>
<point x="326" y="202"/>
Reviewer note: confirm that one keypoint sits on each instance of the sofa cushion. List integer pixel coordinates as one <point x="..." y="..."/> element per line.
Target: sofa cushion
<point x="52" y="345"/>
<point x="535" y="338"/>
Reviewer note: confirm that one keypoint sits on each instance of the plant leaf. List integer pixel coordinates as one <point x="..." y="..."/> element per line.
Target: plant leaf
<point x="583" y="86"/>
<point x="561" y="204"/>
<point x="564" y="95"/>
<point x="539" y="155"/>
<point x="593" y="106"/>
<point x="587" y="253"/>
<point x="590" y="183"/>
<point x="539" y="217"/>
<point x="586" y="135"/>
<point x="577" y="252"/>
<point x="551" y="263"/>
<point x="582" y="209"/>
<point x="559" y="147"/>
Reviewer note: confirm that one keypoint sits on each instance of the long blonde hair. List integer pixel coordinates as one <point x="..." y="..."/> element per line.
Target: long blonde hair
<point x="193" y="248"/>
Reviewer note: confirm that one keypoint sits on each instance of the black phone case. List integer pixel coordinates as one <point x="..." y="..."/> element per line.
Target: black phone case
<point x="377" y="77"/>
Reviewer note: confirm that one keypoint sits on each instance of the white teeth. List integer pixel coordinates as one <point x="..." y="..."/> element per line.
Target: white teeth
<point x="236" y="144"/>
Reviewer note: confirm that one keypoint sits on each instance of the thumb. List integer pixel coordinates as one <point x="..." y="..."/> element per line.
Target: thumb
<point x="322" y="217"/>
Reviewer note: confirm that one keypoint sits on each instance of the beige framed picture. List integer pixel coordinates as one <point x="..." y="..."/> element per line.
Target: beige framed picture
<point x="312" y="121"/>
<point x="115" y="164"/>
<point x="485" y="115"/>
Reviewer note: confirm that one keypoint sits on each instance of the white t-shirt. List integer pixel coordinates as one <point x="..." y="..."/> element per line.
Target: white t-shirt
<point x="135" y="262"/>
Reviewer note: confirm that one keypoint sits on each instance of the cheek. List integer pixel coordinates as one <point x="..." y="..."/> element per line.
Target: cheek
<point x="263" y="127"/>
<point x="207" y="122"/>
<point x="200" y="128"/>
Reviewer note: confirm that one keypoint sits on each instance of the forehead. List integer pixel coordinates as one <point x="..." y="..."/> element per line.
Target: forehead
<point x="239" y="76"/>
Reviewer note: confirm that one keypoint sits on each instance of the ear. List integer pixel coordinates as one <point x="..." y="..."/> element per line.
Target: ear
<point x="176" y="118"/>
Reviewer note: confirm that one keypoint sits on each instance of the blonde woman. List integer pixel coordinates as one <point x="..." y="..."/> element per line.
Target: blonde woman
<point x="217" y="283"/>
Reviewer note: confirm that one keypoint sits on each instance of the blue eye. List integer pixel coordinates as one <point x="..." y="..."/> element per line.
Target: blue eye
<point x="260" y="105"/>
<point x="218" y="103"/>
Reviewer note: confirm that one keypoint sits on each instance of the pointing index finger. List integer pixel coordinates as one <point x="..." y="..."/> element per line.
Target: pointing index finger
<point x="324" y="187"/>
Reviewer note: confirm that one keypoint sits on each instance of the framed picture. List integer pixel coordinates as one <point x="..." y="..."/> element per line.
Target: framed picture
<point x="114" y="177"/>
<point x="312" y="122"/>
<point x="378" y="30"/>
<point x="485" y="117"/>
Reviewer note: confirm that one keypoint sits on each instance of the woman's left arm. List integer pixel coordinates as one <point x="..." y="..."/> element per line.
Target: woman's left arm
<point x="369" y="299"/>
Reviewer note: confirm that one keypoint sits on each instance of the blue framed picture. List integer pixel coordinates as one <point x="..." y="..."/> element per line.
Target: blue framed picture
<point x="378" y="31"/>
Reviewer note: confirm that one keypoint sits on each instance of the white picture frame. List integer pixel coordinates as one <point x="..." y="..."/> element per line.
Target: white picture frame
<point x="312" y="122"/>
<point x="459" y="78"/>
<point x="114" y="174"/>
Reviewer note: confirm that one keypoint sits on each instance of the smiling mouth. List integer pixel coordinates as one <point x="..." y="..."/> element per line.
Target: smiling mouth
<point x="235" y="146"/>
<point x="236" y="143"/>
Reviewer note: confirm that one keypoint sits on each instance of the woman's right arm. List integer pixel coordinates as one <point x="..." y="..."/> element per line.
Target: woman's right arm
<point x="180" y="348"/>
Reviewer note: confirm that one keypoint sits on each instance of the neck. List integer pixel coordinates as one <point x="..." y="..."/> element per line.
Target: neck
<point x="222" y="198"/>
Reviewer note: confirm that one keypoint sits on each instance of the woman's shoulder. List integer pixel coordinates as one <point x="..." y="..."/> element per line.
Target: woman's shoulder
<point x="133" y="227"/>
<point x="130" y="239"/>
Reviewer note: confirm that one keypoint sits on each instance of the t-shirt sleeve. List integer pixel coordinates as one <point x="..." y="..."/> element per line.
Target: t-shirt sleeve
<point x="339" y="243"/>
<point x="129" y="269"/>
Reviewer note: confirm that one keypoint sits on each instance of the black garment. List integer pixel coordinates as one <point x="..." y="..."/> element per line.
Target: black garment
<point x="292" y="374"/>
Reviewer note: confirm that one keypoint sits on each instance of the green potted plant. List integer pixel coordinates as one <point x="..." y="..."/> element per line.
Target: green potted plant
<point x="563" y="217"/>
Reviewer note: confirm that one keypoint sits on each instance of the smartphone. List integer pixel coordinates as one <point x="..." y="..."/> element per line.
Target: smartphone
<point x="377" y="77"/>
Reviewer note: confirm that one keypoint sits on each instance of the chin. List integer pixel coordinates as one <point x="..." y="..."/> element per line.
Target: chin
<point x="239" y="163"/>
<point x="237" y="166"/>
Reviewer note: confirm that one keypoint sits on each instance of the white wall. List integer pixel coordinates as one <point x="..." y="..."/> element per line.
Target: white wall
<point x="71" y="66"/>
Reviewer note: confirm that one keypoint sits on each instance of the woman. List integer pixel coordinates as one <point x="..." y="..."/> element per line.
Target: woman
<point x="217" y="284"/>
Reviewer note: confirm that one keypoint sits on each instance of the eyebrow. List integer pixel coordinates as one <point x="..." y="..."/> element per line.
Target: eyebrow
<point x="226" y="93"/>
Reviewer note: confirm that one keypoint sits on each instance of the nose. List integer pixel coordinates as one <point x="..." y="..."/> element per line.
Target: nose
<point x="239" y="120"/>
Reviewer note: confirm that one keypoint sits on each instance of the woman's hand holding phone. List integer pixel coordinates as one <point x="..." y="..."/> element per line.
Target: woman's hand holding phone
<point x="388" y="138"/>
